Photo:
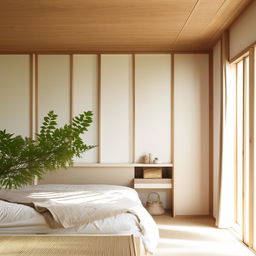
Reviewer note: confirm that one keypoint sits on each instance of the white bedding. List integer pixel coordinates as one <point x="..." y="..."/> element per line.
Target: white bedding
<point x="22" y="219"/>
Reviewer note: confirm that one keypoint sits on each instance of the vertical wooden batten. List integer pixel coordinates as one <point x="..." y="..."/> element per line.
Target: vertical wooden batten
<point x="71" y="81"/>
<point x="236" y="151"/>
<point x="211" y="133"/>
<point x="245" y="136"/>
<point x="172" y="134"/>
<point x="99" y="108"/>
<point x="36" y="93"/>
<point x="133" y="108"/>
<point x="31" y="92"/>
<point x="251" y="145"/>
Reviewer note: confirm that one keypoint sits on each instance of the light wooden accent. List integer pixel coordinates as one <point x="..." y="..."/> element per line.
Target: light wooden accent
<point x="92" y="174"/>
<point x="245" y="152"/>
<point x="99" y="106"/>
<point x="52" y="25"/>
<point x="81" y="164"/>
<point x="252" y="121"/>
<point x="191" y="127"/>
<point x="116" y="108"/>
<point x="152" y="100"/>
<point x="33" y="91"/>
<point x="172" y="134"/>
<point x="31" y="95"/>
<point x="236" y="151"/>
<point x="152" y="183"/>
<point x="216" y="21"/>
<point x="149" y="181"/>
<point x="15" y="94"/>
<point x="54" y="87"/>
<point x="65" y="245"/>
<point x="211" y="133"/>
<point x="153" y="186"/>
<point x="133" y="108"/>
<point x="36" y="94"/>
<point x="85" y="98"/>
<point x="71" y="72"/>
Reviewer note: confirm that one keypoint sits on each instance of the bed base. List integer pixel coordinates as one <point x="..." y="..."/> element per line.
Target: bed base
<point x="81" y="244"/>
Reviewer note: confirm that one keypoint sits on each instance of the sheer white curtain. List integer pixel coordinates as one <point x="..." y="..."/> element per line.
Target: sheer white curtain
<point x="225" y="216"/>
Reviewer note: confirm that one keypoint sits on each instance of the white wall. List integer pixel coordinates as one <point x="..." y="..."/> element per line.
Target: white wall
<point x="14" y="94"/>
<point x="85" y="98"/>
<point x="191" y="133"/>
<point x="134" y="118"/>
<point x="243" y="32"/>
<point x="216" y="123"/>
<point x="116" y="109"/>
<point x="153" y="106"/>
<point x="54" y="87"/>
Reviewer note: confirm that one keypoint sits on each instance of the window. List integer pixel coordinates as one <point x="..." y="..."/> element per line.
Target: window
<point x="245" y="177"/>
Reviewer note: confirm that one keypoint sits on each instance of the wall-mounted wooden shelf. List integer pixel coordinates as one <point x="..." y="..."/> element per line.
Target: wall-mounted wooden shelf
<point x="153" y="183"/>
<point x="121" y="165"/>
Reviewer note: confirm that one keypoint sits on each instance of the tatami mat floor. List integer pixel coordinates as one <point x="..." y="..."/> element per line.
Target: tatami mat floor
<point x="196" y="236"/>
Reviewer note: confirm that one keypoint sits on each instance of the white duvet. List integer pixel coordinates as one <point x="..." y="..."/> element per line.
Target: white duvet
<point x="22" y="219"/>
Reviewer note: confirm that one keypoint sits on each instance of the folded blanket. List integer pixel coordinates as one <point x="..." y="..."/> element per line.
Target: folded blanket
<point x="64" y="208"/>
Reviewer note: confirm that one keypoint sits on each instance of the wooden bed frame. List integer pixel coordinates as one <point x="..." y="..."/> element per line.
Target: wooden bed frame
<point x="82" y="244"/>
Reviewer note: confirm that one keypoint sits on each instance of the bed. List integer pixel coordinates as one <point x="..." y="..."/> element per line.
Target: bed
<point x="77" y="209"/>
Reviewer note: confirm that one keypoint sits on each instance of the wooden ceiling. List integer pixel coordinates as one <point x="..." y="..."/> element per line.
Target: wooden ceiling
<point x="114" y="25"/>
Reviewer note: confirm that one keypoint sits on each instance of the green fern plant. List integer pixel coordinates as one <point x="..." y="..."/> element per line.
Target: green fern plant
<point x="21" y="159"/>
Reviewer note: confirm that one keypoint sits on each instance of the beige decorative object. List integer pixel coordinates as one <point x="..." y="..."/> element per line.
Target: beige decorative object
<point x="154" y="207"/>
<point x="152" y="173"/>
<point x="146" y="159"/>
<point x="150" y="158"/>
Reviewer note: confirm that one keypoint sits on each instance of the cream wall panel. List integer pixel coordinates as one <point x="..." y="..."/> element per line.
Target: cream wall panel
<point x="14" y="94"/>
<point x="116" y="109"/>
<point x="85" y="98"/>
<point x="242" y="32"/>
<point x="101" y="175"/>
<point x="153" y="106"/>
<point x="54" y="86"/>
<point x="216" y="123"/>
<point x="191" y="134"/>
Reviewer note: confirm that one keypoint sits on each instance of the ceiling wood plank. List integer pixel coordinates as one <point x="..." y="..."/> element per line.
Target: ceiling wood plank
<point x="114" y="25"/>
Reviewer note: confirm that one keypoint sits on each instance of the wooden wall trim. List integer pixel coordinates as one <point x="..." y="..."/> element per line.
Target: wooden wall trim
<point x="104" y="52"/>
<point x="31" y="92"/>
<point x="99" y="107"/>
<point x="252" y="145"/>
<point x="36" y="94"/>
<point x="133" y="108"/>
<point x="172" y="134"/>
<point x="71" y="81"/>
<point x="211" y="134"/>
<point x="245" y="136"/>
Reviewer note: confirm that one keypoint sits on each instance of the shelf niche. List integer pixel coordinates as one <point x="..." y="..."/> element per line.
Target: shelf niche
<point x="166" y="172"/>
